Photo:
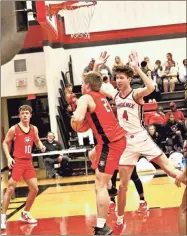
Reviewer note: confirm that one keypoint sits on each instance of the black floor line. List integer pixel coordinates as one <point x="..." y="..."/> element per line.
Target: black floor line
<point x="160" y="175"/>
<point x="14" y="212"/>
<point x="42" y="188"/>
<point x="17" y="202"/>
<point x="12" y="208"/>
<point x="150" y="208"/>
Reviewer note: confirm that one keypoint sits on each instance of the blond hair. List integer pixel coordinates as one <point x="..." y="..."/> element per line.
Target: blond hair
<point x="94" y="80"/>
<point x="25" y="108"/>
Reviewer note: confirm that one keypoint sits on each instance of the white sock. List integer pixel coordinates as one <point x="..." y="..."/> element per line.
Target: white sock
<point x="101" y="222"/>
<point x="25" y="212"/>
<point x="3" y="216"/>
<point x="120" y="220"/>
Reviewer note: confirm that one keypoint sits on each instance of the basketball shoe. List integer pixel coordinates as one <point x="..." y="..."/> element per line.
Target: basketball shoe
<point x="103" y="231"/>
<point x="27" y="218"/>
<point x="119" y="228"/>
<point x="143" y="207"/>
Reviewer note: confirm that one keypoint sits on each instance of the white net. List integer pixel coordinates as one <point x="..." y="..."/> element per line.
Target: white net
<point x="80" y="18"/>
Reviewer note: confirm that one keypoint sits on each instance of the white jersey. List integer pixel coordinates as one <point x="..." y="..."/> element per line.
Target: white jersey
<point x="130" y="113"/>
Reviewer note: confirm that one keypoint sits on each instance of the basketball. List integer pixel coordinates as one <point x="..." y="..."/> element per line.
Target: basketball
<point x="176" y="159"/>
<point x="80" y="127"/>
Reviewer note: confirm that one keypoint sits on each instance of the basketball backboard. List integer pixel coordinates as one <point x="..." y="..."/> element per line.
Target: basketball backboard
<point x="80" y="14"/>
<point x="47" y="22"/>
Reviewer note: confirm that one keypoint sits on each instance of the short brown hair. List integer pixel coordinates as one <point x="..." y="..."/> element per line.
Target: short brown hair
<point x="158" y="62"/>
<point x="25" y="108"/>
<point x="124" y="69"/>
<point x="94" y="80"/>
<point x="169" y="54"/>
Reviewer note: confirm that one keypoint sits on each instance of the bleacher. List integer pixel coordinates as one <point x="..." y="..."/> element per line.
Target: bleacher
<point x="178" y="96"/>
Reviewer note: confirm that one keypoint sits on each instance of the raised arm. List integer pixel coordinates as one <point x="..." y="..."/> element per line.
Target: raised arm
<point x="149" y="86"/>
<point x="7" y="144"/>
<point x="101" y="60"/>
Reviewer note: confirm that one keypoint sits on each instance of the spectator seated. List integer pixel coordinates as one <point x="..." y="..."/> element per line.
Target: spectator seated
<point x="156" y="136"/>
<point x="175" y="133"/>
<point x="158" y="117"/>
<point x="179" y="116"/>
<point x="49" y="161"/>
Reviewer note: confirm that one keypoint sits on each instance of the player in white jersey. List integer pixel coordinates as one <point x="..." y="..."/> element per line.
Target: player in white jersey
<point x="130" y="116"/>
<point x="129" y="105"/>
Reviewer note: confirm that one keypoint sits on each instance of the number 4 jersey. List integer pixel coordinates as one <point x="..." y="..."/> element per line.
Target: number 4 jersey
<point x="103" y="122"/>
<point x="23" y="142"/>
<point x="130" y="113"/>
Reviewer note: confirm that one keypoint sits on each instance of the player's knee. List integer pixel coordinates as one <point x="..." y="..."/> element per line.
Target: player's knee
<point x="123" y="186"/>
<point x="34" y="189"/>
<point x="100" y="183"/>
<point x="10" y="190"/>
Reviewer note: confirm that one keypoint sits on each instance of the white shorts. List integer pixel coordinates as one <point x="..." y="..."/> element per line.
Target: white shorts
<point x="139" y="143"/>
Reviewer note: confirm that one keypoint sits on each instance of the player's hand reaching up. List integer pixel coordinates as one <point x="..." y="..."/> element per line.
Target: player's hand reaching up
<point x="102" y="58"/>
<point x="10" y="162"/>
<point x="133" y="60"/>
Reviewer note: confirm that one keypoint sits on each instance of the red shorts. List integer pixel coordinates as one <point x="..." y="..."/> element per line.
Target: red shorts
<point x="23" y="168"/>
<point x="106" y="157"/>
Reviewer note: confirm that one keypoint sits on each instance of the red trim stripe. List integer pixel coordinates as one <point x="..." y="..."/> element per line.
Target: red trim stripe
<point x="36" y="35"/>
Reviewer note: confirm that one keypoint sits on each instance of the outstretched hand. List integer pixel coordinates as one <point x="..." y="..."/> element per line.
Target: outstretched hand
<point x="102" y="58"/>
<point x="133" y="60"/>
<point x="181" y="177"/>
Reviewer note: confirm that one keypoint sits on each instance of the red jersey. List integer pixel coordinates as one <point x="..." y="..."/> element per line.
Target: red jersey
<point x="23" y="142"/>
<point x="103" y="122"/>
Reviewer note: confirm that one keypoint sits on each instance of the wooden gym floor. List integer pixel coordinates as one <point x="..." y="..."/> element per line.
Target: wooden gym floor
<point x="66" y="206"/>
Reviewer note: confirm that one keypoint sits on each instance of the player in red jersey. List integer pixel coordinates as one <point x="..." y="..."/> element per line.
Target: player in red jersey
<point x="111" y="142"/>
<point x="24" y="135"/>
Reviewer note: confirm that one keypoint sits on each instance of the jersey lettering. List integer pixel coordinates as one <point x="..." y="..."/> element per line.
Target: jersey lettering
<point x="129" y="113"/>
<point x="125" y="115"/>
<point x="27" y="149"/>
<point x="106" y="104"/>
<point x="23" y="142"/>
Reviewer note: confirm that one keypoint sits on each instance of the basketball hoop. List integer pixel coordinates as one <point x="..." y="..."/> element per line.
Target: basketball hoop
<point x="79" y="13"/>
